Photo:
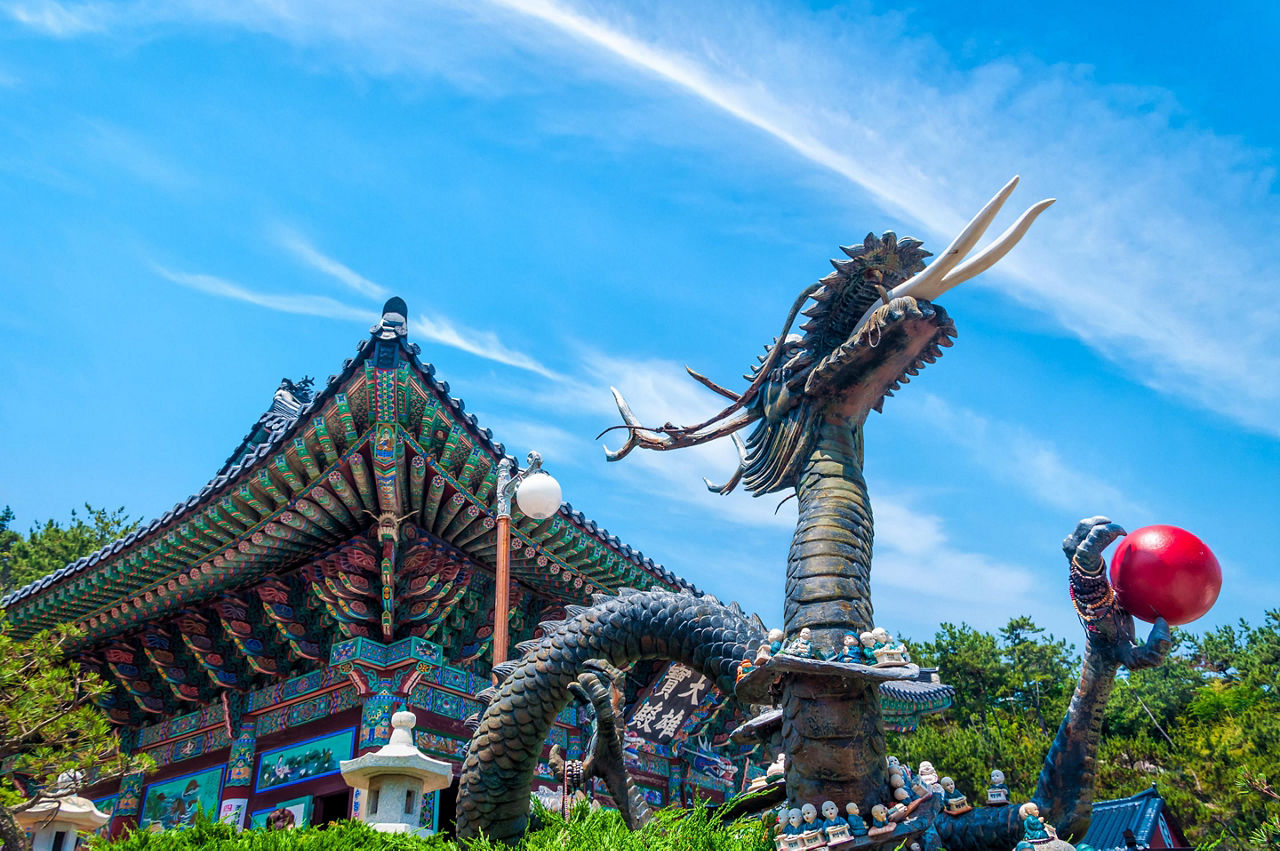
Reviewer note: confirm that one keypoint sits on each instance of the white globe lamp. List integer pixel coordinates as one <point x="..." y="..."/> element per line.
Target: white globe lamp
<point x="538" y="496"/>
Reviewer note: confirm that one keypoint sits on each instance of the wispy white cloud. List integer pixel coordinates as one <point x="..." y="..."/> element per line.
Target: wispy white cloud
<point x="437" y="328"/>
<point x="132" y="153"/>
<point x="62" y="21"/>
<point x="685" y="72"/>
<point x="557" y="446"/>
<point x="1120" y="261"/>
<point x="485" y="344"/>
<point x="1015" y="456"/>
<point x="306" y="305"/>
<point x="301" y="248"/>
<point x="914" y="553"/>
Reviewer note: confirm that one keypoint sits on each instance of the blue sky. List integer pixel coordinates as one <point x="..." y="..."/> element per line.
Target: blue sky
<point x="202" y="197"/>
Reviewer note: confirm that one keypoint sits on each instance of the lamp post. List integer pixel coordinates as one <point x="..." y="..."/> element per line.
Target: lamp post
<point x="538" y="496"/>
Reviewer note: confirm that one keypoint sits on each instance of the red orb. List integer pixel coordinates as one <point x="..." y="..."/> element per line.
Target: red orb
<point x="1164" y="571"/>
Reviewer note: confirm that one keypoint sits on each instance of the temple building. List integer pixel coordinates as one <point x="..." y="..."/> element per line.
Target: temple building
<point x="341" y="565"/>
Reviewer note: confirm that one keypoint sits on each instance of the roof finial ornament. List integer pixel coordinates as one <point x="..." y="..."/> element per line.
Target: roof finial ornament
<point x="289" y="399"/>
<point x="394" y="321"/>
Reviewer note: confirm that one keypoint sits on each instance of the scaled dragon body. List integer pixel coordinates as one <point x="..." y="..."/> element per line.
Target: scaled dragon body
<point x="503" y="755"/>
<point x="871" y="325"/>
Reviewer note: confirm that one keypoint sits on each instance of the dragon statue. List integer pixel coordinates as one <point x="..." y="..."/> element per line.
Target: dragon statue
<point x="871" y="325"/>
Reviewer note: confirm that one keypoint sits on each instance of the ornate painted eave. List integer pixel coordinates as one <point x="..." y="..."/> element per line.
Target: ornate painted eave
<point x="384" y="442"/>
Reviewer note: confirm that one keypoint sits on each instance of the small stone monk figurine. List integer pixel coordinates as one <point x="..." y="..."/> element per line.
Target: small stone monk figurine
<point x="831" y="821"/>
<point x="927" y="773"/>
<point x="880" y="821"/>
<point x="745" y="667"/>
<point x="812" y="835"/>
<point x="953" y="800"/>
<point x="780" y="837"/>
<point x="898" y="787"/>
<point x="777" y="769"/>
<point x="909" y="795"/>
<point x="776" y="637"/>
<point x="886" y="650"/>
<point x="849" y="650"/>
<point x="857" y="826"/>
<point x="795" y="823"/>
<point x="801" y="645"/>
<point x="997" y="792"/>
<point x="1034" y="830"/>
<point x="868" y="647"/>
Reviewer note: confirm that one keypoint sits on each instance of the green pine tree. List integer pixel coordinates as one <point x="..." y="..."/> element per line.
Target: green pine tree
<point x="51" y="545"/>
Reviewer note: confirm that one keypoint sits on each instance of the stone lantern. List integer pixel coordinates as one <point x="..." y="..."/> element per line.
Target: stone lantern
<point x="392" y="780"/>
<point x="56" y="824"/>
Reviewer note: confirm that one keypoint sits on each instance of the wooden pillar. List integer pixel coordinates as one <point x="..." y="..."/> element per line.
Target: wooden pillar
<point x="676" y="783"/>
<point x="239" y="782"/>
<point x="124" y="816"/>
<point x="502" y="590"/>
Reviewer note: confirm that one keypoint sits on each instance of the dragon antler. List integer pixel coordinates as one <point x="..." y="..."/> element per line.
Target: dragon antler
<point x="670" y="436"/>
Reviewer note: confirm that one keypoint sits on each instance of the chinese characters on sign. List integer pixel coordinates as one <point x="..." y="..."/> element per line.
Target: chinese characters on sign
<point x="674" y="698"/>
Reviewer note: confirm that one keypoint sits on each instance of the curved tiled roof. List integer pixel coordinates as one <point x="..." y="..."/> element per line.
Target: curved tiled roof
<point x="912" y="691"/>
<point x="277" y="440"/>
<point x="1141" y="813"/>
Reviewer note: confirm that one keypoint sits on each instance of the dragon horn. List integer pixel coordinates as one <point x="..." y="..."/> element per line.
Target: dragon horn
<point x="959" y="247"/>
<point x="948" y="270"/>
<point x="996" y="250"/>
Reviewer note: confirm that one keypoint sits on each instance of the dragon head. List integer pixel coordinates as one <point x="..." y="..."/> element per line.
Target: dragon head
<point x="871" y="325"/>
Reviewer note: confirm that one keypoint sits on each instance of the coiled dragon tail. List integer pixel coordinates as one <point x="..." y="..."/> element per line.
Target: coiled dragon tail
<point x="498" y="772"/>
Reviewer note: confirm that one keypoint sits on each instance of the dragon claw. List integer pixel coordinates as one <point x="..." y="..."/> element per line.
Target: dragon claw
<point x="1101" y="536"/>
<point x="1092" y="535"/>
<point x="1154" y="651"/>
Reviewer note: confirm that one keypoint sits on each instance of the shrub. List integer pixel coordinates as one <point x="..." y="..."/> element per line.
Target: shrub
<point x="585" y="830"/>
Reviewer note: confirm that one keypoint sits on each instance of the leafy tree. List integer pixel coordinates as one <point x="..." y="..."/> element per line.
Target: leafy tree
<point x="1149" y="702"/>
<point x="52" y="738"/>
<point x="1267" y="834"/>
<point x="1041" y="669"/>
<point x="1204" y="726"/>
<point x="1218" y="703"/>
<point x="51" y="545"/>
<point x="1010" y="693"/>
<point x="49" y="727"/>
<point x="7" y="537"/>
<point x="1244" y="654"/>
<point x="971" y="661"/>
